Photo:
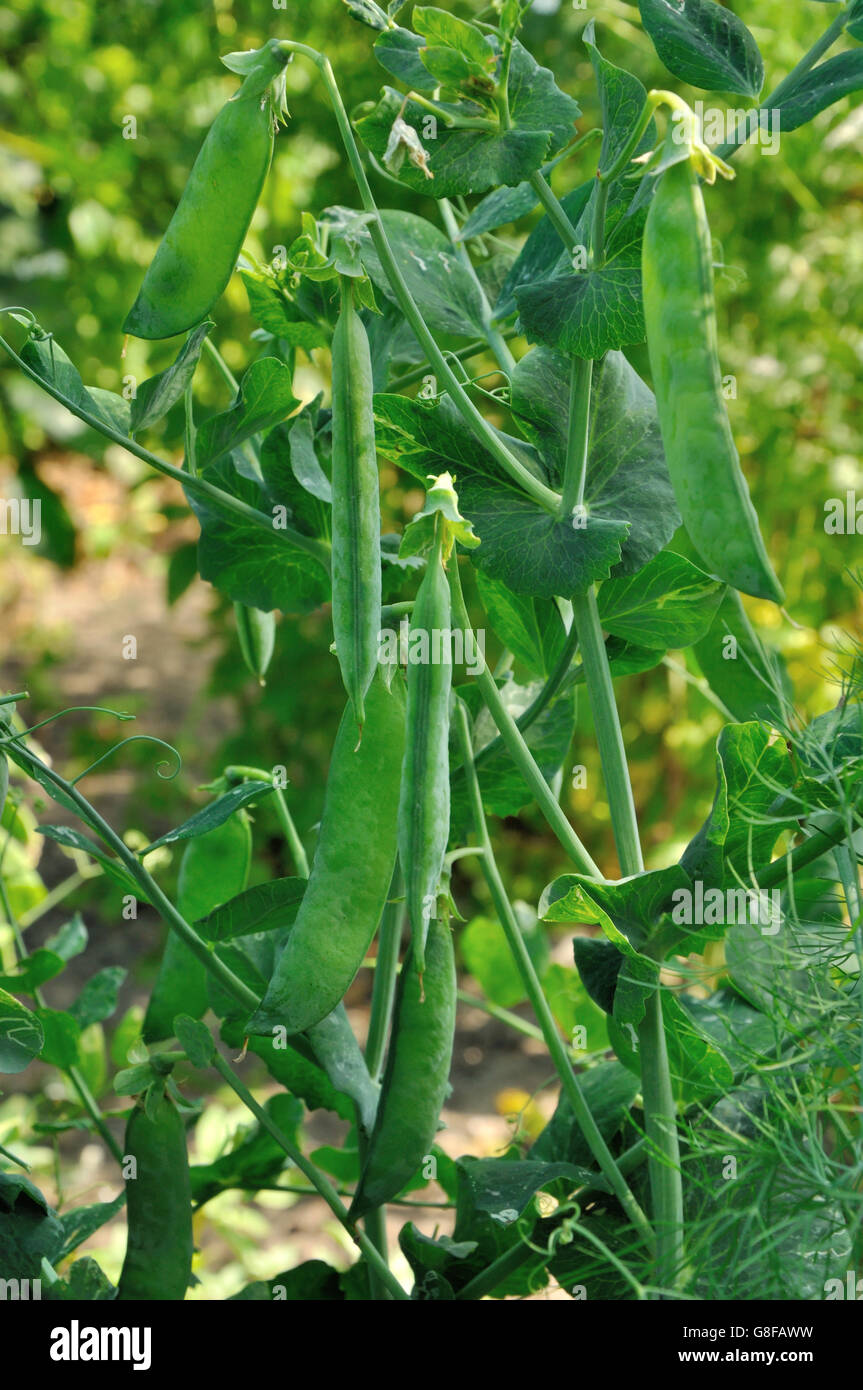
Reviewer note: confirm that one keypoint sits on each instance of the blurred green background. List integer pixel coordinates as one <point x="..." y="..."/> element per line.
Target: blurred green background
<point x="81" y="211"/>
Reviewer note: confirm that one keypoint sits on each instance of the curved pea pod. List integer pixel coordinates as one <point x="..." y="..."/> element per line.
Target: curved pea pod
<point x="424" y="803"/>
<point x="682" y="340"/>
<point x="351" y="872"/>
<point x="256" y="632"/>
<point x="197" y="255"/>
<point x="356" y="507"/>
<point x="159" y="1246"/>
<point x="416" y="1075"/>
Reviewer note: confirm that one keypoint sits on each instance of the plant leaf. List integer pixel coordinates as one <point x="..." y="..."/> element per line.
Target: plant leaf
<point x="704" y="44"/>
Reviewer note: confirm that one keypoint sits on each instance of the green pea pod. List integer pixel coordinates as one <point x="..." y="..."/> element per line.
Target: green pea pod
<point x="351" y="872"/>
<point x="198" y="252"/>
<point x="416" y="1075"/>
<point x="158" y="1263"/>
<point x="256" y="631"/>
<point x="356" y="506"/>
<point x="682" y="340"/>
<point x="424" y="803"/>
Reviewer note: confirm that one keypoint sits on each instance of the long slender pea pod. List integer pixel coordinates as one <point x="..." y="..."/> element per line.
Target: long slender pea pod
<point x="256" y="632"/>
<point x="198" y="252"/>
<point x="158" y="1262"/>
<point x="682" y="340"/>
<point x="416" y="1075"/>
<point x="356" y="506"/>
<point x="424" y="803"/>
<point x="351" y="872"/>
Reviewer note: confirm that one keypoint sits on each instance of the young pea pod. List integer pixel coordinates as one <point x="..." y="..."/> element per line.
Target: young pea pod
<point x="416" y="1075"/>
<point x="351" y="872"/>
<point x="198" y="252"/>
<point x="256" y="631"/>
<point x="682" y="340"/>
<point x="158" y="1263"/>
<point x="356" y="507"/>
<point x="424" y="803"/>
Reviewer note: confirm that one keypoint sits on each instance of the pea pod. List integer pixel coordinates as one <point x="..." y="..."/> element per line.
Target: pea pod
<point x="356" y="506"/>
<point x="416" y="1075"/>
<point x="158" y="1262"/>
<point x="351" y="872"/>
<point x="256" y="631"/>
<point x="424" y="803"/>
<point x="682" y="340"/>
<point x="198" y="252"/>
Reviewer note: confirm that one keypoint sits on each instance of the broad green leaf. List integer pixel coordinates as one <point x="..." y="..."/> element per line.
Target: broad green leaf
<point x="829" y="82"/>
<point x="155" y="396"/>
<point x="397" y="51"/>
<point x="746" y="1036"/>
<point x="532" y="629"/>
<point x="598" y="963"/>
<point x="447" y="294"/>
<point x="471" y="161"/>
<point x="98" y="998"/>
<point x="589" y="313"/>
<point x="247" y="564"/>
<point x="543" y="253"/>
<point x="368" y="12"/>
<point x="195" y="1039"/>
<point x="80" y="1223"/>
<point x="622" y="98"/>
<point x="668" y="604"/>
<point x="699" y="1070"/>
<point x="573" y="1008"/>
<point x="313" y="1281"/>
<point x="443" y="30"/>
<point x="503" y="1188"/>
<point x="70" y="940"/>
<point x="33" y="971"/>
<point x="29" y="1229"/>
<point x="264" y="907"/>
<point x="265" y="398"/>
<point x="498" y="209"/>
<point x="487" y="956"/>
<point x="705" y="44"/>
<point x="212" y="816"/>
<point x="609" y="1090"/>
<point x="786" y="972"/>
<point x="21" y="1035"/>
<point x="275" y="311"/>
<point x="256" y="1160"/>
<point x="304" y="461"/>
<point x="61" y="1034"/>
<point x="627" y="476"/>
<point x="51" y="363"/>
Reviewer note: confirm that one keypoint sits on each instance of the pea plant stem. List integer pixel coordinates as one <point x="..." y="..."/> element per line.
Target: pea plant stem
<point x="286" y="820"/>
<point x="317" y="549"/>
<point x="553" y="1041"/>
<point x="459" y="354"/>
<point x="542" y="701"/>
<point x="319" y="1180"/>
<point x="575" y="470"/>
<point x="386" y="973"/>
<point x="515" y="744"/>
<point x="472" y="417"/>
<point x="554" y="211"/>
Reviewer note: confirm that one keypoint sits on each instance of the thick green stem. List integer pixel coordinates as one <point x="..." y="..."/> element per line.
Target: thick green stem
<point x="554" y="211"/>
<point x="609" y="735"/>
<point x="666" y="1189"/>
<point x="553" y="1041"/>
<point x="475" y="421"/>
<point x="319" y="1180"/>
<point x="515" y="744"/>
<point x="317" y="549"/>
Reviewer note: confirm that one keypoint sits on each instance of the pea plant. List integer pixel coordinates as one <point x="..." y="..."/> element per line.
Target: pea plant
<point x="706" y="1037"/>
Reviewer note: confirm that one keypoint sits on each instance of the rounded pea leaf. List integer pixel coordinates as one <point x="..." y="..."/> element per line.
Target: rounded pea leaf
<point x="195" y="1039"/>
<point x="704" y="44"/>
<point x="21" y="1035"/>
